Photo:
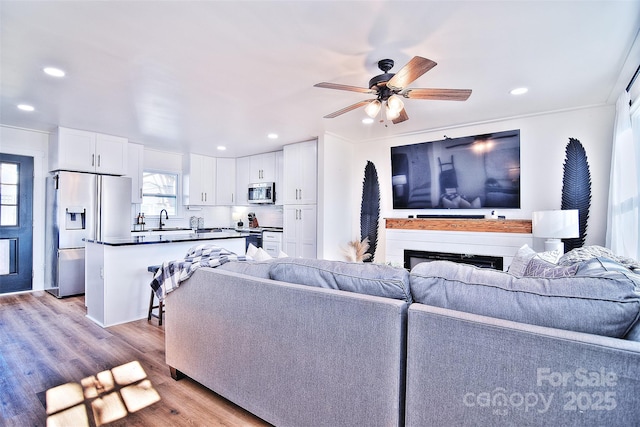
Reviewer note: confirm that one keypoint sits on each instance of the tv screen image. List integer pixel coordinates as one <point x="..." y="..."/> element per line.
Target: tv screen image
<point x="472" y="172"/>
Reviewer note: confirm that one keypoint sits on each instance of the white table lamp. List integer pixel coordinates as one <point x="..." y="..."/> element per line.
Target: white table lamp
<point x="555" y="225"/>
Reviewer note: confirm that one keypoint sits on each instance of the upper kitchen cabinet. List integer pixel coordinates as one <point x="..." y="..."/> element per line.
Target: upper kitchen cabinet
<point x="225" y="181"/>
<point x="265" y="167"/>
<point x="300" y="173"/>
<point x="262" y="168"/>
<point x="279" y="177"/>
<point x="136" y="171"/>
<point x="83" y="151"/>
<point x="242" y="179"/>
<point x="199" y="177"/>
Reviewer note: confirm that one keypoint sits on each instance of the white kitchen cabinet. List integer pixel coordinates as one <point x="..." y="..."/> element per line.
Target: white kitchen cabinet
<point x="225" y="181"/>
<point x="272" y="242"/>
<point x="258" y="168"/>
<point x="279" y="177"/>
<point x="199" y="175"/>
<point x="299" y="236"/>
<point x="135" y="168"/>
<point x="84" y="151"/>
<point x="262" y="168"/>
<point x="242" y="180"/>
<point x="300" y="173"/>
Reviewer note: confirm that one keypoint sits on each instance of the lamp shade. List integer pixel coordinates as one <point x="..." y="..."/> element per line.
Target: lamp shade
<point x="556" y="224"/>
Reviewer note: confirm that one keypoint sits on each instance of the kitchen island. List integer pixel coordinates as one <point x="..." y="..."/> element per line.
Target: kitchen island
<point x="117" y="283"/>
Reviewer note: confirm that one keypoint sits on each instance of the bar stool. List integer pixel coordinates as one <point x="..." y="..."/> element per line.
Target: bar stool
<point x="154" y="269"/>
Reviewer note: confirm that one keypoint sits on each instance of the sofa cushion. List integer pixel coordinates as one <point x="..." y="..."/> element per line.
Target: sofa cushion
<point x="604" y="304"/>
<point x="365" y="278"/>
<point x="250" y="268"/>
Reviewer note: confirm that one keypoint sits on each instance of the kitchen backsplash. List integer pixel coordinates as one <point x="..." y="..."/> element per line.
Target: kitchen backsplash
<point x="217" y="216"/>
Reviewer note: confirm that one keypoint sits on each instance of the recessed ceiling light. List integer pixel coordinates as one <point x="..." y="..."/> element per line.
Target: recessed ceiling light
<point x="367" y="120"/>
<point x="519" y="91"/>
<point x="55" y="72"/>
<point x="26" y="107"/>
<point x="221" y="147"/>
<point x="272" y="136"/>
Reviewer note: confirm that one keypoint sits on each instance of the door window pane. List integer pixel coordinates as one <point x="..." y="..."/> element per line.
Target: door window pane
<point x="9" y="173"/>
<point x="9" y="192"/>
<point x="8" y="258"/>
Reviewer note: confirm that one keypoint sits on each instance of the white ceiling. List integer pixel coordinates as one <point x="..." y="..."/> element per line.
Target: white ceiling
<point x="191" y="75"/>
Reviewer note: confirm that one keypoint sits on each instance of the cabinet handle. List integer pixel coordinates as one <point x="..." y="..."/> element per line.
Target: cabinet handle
<point x="141" y="193"/>
<point x="98" y="160"/>
<point x="301" y="194"/>
<point x="93" y="160"/>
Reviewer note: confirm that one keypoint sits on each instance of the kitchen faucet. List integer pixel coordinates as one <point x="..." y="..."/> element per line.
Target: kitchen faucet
<point x="166" y="216"/>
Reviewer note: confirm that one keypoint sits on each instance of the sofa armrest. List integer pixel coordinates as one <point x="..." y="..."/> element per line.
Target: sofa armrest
<point x="466" y="369"/>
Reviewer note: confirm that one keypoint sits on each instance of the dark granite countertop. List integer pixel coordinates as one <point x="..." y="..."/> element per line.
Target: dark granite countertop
<point x="169" y="238"/>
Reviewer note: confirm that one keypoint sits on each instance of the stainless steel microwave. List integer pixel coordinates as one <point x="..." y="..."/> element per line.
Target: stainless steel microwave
<point x="262" y="192"/>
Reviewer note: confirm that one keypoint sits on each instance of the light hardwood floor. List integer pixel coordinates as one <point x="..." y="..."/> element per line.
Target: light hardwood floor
<point x="47" y="342"/>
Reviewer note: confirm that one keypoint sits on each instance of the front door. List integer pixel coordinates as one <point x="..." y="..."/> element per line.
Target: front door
<point x="16" y="223"/>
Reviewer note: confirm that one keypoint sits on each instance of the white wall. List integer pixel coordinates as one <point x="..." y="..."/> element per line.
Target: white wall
<point x="33" y="144"/>
<point x="335" y="196"/>
<point x="543" y="142"/>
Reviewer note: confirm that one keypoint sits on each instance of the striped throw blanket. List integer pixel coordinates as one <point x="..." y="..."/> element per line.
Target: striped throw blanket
<point x="172" y="273"/>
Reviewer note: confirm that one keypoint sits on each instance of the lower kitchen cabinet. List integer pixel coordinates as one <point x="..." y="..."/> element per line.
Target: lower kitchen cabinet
<point x="299" y="239"/>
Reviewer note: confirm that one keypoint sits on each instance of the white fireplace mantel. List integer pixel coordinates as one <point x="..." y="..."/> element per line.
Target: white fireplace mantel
<point x="412" y="236"/>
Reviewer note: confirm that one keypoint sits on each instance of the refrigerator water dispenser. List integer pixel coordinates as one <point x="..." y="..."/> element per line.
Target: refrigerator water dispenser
<point x="75" y="219"/>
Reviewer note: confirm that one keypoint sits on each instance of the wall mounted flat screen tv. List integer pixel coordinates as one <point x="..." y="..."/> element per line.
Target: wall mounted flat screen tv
<point x="473" y="172"/>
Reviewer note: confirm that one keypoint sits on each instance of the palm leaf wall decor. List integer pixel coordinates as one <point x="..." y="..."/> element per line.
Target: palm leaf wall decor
<point x="576" y="189"/>
<point x="370" y="209"/>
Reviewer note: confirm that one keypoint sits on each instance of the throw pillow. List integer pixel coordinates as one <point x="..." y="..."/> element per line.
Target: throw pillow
<point x="594" y="251"/>
<point x="521" y="260"/>
<point x="538" y="267"/>
<point x="365" y="278"/>
<point x="528" y="262"/>
<point x="252" y="250"/>
<point x="604" y="304"/>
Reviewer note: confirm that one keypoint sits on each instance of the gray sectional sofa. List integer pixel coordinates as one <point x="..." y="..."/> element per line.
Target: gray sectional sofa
<point x="326" y="343"/>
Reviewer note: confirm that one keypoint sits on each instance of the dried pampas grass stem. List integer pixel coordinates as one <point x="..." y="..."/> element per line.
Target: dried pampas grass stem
<point x="356" y="250"/>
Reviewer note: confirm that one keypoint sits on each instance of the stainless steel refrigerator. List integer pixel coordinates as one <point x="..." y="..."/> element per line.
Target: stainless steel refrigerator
<point x="81" y="206"/>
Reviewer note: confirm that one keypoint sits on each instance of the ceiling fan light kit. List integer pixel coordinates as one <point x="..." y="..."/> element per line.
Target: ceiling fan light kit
<point x="373" y="108"/>
<point x="389" y="87"/>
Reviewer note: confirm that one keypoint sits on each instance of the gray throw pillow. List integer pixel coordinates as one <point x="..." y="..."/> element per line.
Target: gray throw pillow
<point x="603" y="304"/>
<point x="540" y="268"/>
<point x="365" y="278"/>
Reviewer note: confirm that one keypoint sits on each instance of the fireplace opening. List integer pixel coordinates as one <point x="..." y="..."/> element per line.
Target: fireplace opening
<point x="413" y="258"/>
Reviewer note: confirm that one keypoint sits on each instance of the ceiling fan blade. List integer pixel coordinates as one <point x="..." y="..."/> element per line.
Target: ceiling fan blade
<point x="438" y="94"/>
<point x="411" y="71"/>
<point x="401" y="118"/>
<point x="344" y="87"/>
<point x="349" y="108"/>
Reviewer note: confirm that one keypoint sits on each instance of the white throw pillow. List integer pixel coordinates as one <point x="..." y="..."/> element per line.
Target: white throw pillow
<point x="252" y="250"/>
<point x="261" y="255"/>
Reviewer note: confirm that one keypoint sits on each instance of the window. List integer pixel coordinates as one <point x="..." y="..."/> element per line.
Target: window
<point x="159" y="191"/>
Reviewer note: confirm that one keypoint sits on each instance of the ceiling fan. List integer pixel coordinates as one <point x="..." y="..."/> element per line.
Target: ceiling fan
<point x="389" y="87"/>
